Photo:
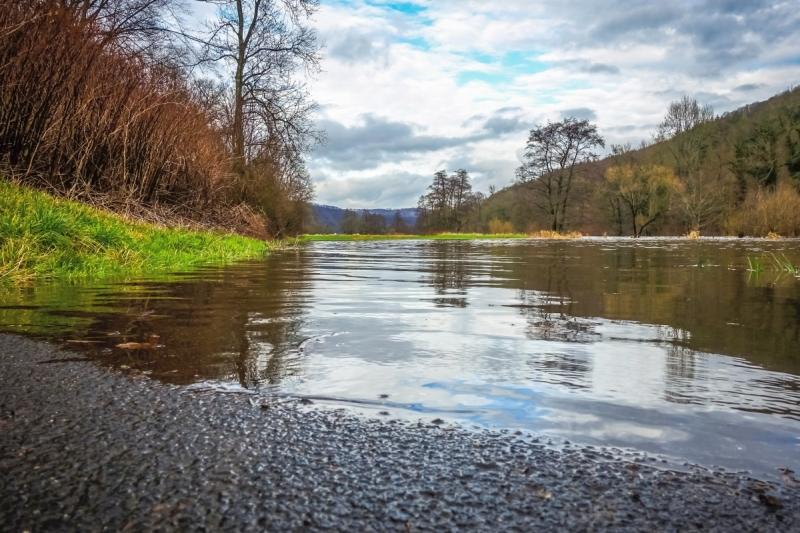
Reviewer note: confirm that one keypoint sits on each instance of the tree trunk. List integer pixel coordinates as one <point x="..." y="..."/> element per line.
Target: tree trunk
<point x="238" y="105"/>
<point x="633" y="221"/>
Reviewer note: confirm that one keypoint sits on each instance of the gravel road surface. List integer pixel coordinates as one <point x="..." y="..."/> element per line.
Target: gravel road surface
<point x="88" y="448"/>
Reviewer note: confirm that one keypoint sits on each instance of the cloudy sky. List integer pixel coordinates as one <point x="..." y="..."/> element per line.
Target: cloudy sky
<point x="408" y="88"/>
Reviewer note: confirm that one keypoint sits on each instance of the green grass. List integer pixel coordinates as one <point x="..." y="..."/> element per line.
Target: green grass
<point x="754" y="265"/>
<point x="784" y="264"/>
<point x="433" y="237"/>
<point x="43" y="237"/>
<point x="780" y="266"/>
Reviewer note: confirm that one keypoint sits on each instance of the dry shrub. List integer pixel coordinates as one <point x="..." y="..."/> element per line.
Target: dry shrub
<point x="549" y="234"/>
<point x="766" y="212"/>
<point x="278" y="192"/>
<point x="499" y="227"/>
<point x="82" y="113"/>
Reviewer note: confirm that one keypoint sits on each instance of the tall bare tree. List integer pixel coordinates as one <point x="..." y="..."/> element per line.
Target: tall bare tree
<point x="265" y="45"/>
<point x="702" y="197"/>
<point x="449" y="202"/>
<point x="683" y="115"/>
<point x="549" y="163"/>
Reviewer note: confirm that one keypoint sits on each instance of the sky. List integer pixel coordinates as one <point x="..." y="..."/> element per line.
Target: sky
<point x="409" y="88"/>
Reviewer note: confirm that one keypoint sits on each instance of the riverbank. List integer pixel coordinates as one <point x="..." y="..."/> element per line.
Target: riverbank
<point x="433" y="237"/>
<point x="44" y="237"/>
<point x="87" y="448"/>
<point x="538" y="235"/>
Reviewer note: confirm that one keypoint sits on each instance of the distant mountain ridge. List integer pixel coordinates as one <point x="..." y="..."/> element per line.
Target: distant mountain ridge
<point x="329" y="217"/>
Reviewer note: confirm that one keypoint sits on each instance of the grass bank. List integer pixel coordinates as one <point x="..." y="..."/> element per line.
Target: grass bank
<point x="433" y="237"/>
<point x="45" y="237"/>
<point x="439" y="236"/>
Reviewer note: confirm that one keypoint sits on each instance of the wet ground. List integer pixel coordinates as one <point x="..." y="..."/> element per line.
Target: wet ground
<point x="89" y="448"/>
<point x="685" y="348"/>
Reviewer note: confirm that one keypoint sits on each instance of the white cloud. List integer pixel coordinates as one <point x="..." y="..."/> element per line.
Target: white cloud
<point x="441" y="75"/>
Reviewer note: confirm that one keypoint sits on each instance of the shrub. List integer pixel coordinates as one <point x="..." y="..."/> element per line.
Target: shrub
<point x="497" y="226"/>
<point x="766" y="212"/>
<point x="549" y="234"/>
<point x="96" y="110"/>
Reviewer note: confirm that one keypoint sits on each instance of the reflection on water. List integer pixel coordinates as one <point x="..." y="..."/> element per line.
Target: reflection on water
<point x="664" y="345"/>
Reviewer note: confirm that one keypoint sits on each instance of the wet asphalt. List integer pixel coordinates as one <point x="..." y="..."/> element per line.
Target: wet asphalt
<point x="84" y="448"/>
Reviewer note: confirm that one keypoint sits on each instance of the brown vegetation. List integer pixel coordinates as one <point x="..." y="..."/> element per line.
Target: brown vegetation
<point x="643" y="192"/>
<point x="499" y="227"/>
<point x="94" y="105"/>
<point x="768" y="212"/>
<point x="555" y="235"/>
<point x="735" y="174"/>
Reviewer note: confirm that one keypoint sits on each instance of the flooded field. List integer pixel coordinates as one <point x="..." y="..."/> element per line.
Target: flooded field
<point x="668" y="346"/>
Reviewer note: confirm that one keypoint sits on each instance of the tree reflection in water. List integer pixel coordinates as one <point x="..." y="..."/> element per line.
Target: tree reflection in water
<point x="449" y="274"/>
<point x="243" y="322"/>
<point x="668" y="346"/>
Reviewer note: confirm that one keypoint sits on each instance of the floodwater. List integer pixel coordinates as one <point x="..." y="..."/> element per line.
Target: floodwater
<point x="667" y="346"/>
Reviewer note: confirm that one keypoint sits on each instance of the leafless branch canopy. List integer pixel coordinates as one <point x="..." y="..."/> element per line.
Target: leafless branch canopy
<point x="551" y="155"/>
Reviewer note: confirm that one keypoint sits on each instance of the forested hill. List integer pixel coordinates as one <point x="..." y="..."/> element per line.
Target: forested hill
<point x="738" y="173"/>
<point x="332" y="219"/>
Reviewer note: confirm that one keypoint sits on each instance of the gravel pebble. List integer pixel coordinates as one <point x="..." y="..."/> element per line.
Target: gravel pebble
<point x="91" y="449"/>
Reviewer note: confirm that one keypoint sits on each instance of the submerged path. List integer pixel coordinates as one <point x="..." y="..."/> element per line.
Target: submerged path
<point x="85" y="448"/>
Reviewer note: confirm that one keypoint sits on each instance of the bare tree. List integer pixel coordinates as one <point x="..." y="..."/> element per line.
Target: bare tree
<point x="264" y="44"/>
<point x="708" y="191"/>
<point x="645" y="190"/>
<point x="126" y="25"/>
<point x="549" y="163"/>
<point x="351" y="222"/>
<point x="461" y="197"/>
<point x="621" y="154"/>
<point x="434" y="205"/>
<point x="449" y="202"/>
<point x="399" y="225"/>
<point x="702" y="198"/>
<point x="678" y="128"/>
<point x="683" y="115"/>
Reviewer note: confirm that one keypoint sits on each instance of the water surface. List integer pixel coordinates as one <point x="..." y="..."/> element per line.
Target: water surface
<point x="667" y="346"/>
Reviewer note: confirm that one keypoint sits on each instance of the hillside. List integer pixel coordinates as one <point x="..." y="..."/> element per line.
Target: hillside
<point x="329" y="219"/>
<point x="746" y="168"/>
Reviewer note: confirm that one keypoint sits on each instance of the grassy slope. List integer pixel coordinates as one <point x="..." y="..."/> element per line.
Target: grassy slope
<point x="46" y="237"/>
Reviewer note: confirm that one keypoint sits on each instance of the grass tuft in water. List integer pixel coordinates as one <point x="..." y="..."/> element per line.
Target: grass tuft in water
<point x="780" y="264"/>
<point x="46" y="237"/>
<point x="754" y="265"/>
<point x="784" y="264"/>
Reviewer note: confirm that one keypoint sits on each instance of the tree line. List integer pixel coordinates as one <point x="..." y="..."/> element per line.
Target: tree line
<point x="369" y="223"/>
<point x="111" y="102"/>
<point x="736" y="174"/>
<point x="450" y="203"/>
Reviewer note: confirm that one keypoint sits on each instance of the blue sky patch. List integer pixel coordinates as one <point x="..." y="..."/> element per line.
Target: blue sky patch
<point x="407" y="8"/>
<point x="506" y="67"/>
